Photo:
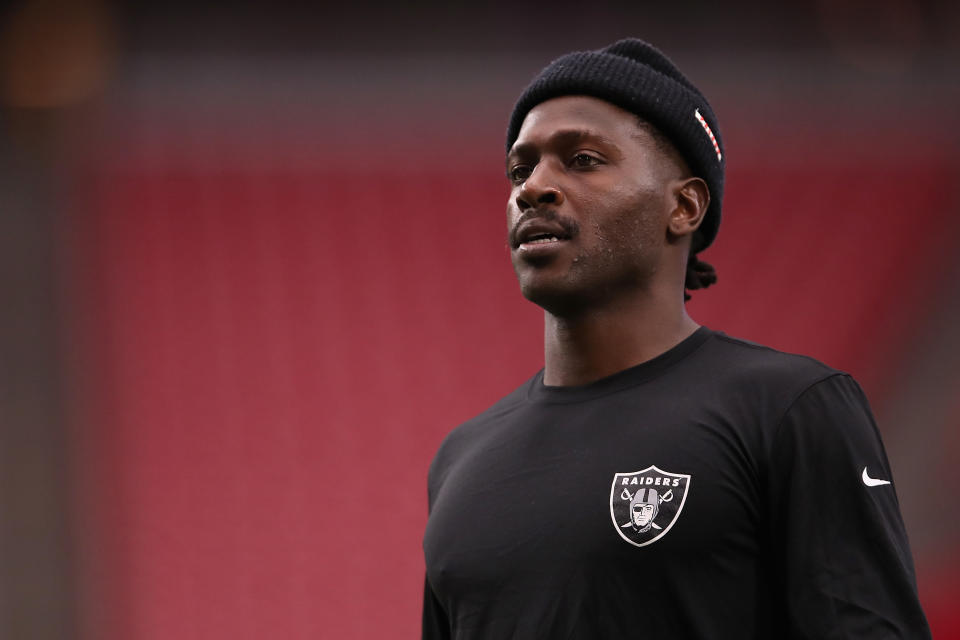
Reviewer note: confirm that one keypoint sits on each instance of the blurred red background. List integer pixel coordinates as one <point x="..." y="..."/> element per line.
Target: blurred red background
<point x="274" y="276"/>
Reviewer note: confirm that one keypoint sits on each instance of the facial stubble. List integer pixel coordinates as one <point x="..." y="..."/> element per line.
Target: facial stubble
<point x="621" y="260"/>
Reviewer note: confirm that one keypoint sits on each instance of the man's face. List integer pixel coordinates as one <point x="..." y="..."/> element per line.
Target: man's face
<point x="643" y="514"/>
<point x="589" y="205"/>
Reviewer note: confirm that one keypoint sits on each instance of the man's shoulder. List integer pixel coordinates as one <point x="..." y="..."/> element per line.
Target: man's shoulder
<point x="738" y="368"/>
<point x="755" y="386"/>
<point x="743" y="360"/>
<point x="498" y="410"/>
<point x="465" y="435"/>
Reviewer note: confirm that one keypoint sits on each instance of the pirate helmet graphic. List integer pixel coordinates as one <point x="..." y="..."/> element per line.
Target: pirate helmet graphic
<point x="643" y="508"/>
<point x="645" y="504"/>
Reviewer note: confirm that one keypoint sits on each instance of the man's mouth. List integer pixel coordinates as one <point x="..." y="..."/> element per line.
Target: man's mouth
<point x="541" y="244"/>
<point x="541" y="239"/>
<point x="538" y="232"/>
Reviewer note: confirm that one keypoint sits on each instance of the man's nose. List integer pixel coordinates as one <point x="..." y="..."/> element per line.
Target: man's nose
<point x="539" y="188"/>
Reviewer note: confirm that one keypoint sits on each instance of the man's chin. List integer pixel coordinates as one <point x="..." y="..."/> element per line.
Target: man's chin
<point x="556" y="296"/>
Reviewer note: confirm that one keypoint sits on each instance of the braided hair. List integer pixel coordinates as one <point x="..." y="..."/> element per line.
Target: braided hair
<point x="700" y="274"/>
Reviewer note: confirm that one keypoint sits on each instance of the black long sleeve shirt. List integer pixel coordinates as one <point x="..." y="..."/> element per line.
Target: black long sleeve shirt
<point x="722" y="490"/>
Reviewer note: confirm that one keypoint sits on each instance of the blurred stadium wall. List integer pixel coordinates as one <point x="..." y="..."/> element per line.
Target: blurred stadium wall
<point x="254" y="269"/>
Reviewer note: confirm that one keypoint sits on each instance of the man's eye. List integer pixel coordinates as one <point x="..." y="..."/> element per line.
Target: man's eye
<point x="585" y="160"/>
<point x="519" y="173"/>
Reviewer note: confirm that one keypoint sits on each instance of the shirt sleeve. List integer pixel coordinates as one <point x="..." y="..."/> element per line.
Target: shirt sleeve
<point x="435" y="624"/>
<point x="838" y="541"/>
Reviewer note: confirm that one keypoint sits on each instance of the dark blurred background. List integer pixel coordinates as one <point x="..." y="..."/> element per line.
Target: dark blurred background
<point x="253" y="268"/>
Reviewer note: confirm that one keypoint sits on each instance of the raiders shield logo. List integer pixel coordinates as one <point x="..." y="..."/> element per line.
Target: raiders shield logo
<point x="645" y="504"/>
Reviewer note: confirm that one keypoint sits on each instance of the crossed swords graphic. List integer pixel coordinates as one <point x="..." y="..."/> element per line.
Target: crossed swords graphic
<point x="626" y="495"/>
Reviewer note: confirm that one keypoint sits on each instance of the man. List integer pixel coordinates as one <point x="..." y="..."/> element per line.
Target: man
<point x="654" y="469"/>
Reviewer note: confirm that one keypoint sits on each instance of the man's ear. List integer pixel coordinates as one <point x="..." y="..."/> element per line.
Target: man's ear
<point x="691" y="199"/>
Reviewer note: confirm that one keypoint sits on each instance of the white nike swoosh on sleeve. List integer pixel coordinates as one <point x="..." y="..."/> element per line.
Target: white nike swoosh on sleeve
<point x="872" y="482"/>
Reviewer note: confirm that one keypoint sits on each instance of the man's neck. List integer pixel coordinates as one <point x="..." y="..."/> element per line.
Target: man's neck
<point x="600" y="342"/>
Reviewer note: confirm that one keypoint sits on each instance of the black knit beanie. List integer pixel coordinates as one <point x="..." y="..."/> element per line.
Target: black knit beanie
<point x="639" y="78"/>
